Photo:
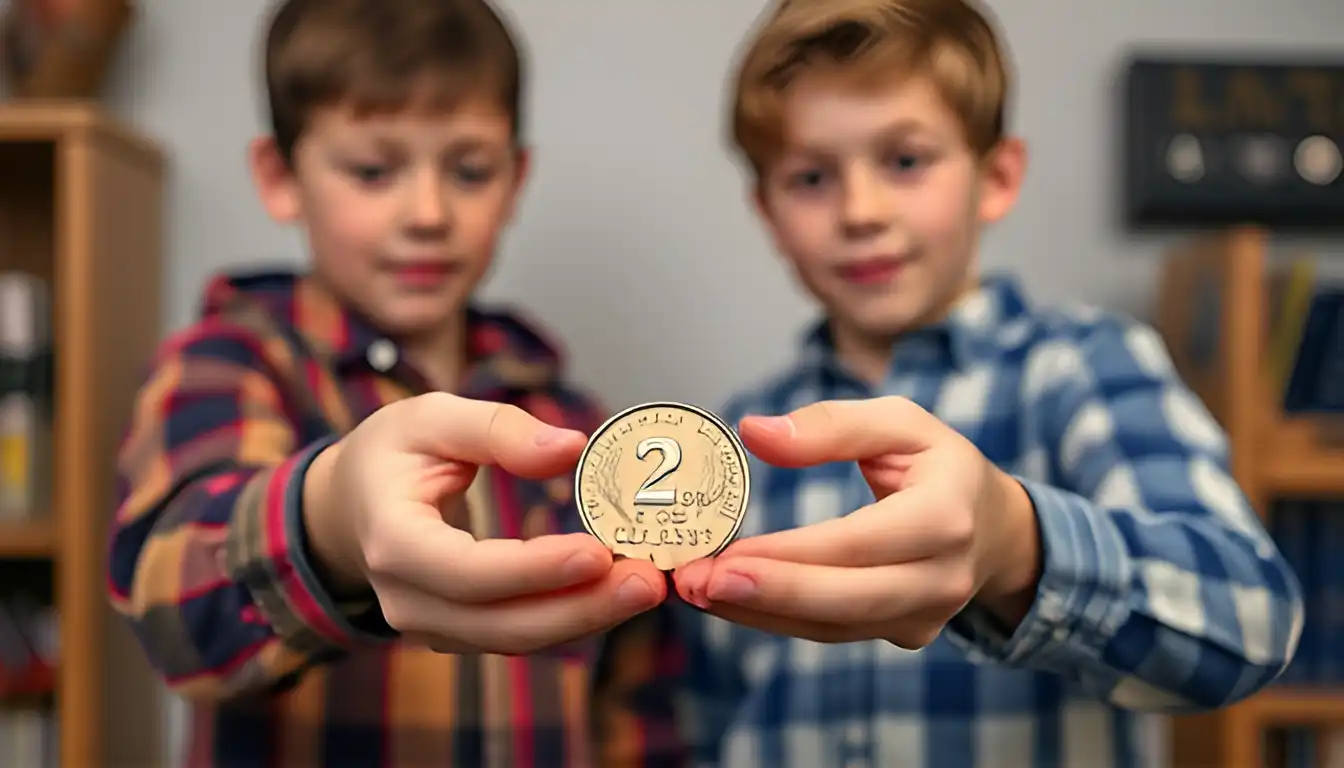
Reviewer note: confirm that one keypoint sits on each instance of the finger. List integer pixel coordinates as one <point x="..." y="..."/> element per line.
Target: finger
<point x="830" y="595"/>
<point x="901" y="528"/>
<point x="424" y="552"/>
<point x="479" y="432"/>
<point x="839" y="430"/>
<point x="533" y="623"/>
<point x="438" y="644"/>
<point x="910" y="633"/>
<point x="786" y="627"/>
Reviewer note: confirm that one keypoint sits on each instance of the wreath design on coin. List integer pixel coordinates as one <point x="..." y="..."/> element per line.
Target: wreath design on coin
<point x="713" y="481"/>
<point x="606" y="481"/>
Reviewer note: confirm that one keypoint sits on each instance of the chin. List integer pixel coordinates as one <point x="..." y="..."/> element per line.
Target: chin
<point x="875" y="321"/>
<point x="405" y="324"/>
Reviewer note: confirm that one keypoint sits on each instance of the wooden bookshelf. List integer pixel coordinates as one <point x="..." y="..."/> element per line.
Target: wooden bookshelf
<point x="1213" y="313"/>
<point x="35" y="539"/>
<point x="80" y="206"/>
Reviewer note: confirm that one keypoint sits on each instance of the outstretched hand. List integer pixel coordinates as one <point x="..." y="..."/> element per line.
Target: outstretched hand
<point x="947" y="527"/>
<point x="374" y="508"/>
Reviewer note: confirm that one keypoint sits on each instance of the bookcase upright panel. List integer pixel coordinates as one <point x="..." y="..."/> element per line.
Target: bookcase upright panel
<point x="80" y="207"/>
<point x="109" y="234"/>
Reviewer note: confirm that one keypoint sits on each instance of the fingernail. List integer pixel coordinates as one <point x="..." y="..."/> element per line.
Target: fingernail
<point x="686" y="590"/>
<point x="778" y="426"/>
<point x="635" y="593"/>
<point x="731" y="588"/>
<point x="584" y="565"/>
<point x="552" y="435"/>
<point x="697" y="598"/>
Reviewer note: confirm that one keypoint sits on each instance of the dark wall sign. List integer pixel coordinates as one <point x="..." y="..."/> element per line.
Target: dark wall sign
<point x="1234" y="140"/>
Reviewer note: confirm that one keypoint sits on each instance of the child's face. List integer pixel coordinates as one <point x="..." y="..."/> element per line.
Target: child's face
<point x="877" y="201"/>
<point x="402" y="212"/>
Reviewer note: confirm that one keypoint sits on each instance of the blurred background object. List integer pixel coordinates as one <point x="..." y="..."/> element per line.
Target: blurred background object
<point x="61" y="48"/>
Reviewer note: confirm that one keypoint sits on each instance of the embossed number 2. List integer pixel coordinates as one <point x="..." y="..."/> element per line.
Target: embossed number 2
<point x="671" y="452"/>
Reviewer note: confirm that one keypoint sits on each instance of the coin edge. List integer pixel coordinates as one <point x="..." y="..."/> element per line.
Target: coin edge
<point x="704" y="413"/>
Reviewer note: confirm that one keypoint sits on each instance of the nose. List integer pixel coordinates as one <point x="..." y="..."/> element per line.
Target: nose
<point x="867" y="204"/>
<point x="428" y="211"/>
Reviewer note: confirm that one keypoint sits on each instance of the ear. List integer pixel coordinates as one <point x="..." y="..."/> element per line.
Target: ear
<point x="759" y="198"/>
<point x="522" y="169"/>
<point x="756" y="194"/>
<point x="760" y="202"/>
<point x="1001" y="179"/>
<point x="276" y="184"/>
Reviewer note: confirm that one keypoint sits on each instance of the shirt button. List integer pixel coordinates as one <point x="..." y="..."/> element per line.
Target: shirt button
<point x="382" y="355"/>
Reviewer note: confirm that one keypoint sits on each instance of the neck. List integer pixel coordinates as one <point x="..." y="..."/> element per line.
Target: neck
<point x="441" y="353"/>
<point x="867" y="354"/>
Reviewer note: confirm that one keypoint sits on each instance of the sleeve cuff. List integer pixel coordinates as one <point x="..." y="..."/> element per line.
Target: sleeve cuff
<point x="1081" y="600"/>
<point x="279" y="574"/>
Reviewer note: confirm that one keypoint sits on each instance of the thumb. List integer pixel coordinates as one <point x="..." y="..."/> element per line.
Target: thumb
<point x="460" y="429"/>
<point x="840" y="430"/>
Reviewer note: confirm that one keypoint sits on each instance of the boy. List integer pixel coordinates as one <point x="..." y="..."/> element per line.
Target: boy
<point x="303" y="521"/>
<point x="1017" y="520"/>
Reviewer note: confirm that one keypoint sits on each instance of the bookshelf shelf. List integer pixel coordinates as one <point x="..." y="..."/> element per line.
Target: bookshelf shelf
<point x="80" y="210"/>
<point x="28" y="539"/>
<point x="1213" y="311"/>
<point x="1284" y="706"/>
<point x="1303" y="457"/>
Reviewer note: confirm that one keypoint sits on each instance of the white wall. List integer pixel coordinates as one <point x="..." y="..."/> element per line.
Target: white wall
<point x="633" y="187"/>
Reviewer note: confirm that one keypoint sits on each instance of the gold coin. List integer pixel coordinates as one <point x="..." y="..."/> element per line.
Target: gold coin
<point x="663" y="482"/>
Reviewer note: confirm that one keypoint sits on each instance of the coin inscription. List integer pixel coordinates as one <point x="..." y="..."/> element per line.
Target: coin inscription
<point x="663" y="482"/>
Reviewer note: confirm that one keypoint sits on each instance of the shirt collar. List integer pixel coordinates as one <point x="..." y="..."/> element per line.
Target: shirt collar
<point x="503" y="350"/>
<point x="967" y="335"/>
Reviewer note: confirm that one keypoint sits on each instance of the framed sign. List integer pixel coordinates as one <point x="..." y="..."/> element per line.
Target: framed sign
<point x="1234" y="141"/>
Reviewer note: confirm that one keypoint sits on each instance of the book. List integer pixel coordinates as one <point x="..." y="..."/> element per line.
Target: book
<point x="25" y="397"/>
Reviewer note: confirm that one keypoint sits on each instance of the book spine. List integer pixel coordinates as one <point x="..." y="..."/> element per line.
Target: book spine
<point x="25" y="397"/>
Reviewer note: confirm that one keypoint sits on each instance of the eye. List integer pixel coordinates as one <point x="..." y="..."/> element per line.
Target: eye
<point x="368" y="173"/>
<point x="807" y="179"/>
<point x="905" y="161"/>
<point x="473" y="173"/>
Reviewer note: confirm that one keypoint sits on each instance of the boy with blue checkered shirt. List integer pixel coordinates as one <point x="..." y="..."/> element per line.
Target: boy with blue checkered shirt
<point x="984" y="533"/>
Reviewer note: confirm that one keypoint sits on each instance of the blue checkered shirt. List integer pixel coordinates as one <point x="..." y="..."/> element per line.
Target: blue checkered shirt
<point x="1160" y="592"/>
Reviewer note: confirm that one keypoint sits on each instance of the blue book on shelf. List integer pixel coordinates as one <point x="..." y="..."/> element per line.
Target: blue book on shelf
<point x="1316" y="383"/>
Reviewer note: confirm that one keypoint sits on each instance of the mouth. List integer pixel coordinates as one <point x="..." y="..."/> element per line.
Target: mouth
<point x="875" y="270"/>
<point x="424" y="273"/>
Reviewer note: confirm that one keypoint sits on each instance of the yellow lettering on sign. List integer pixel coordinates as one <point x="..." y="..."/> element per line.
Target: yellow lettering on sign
<point x="1189" y="111"/>
<point x="1316" y="91"/>
<point x="1251" y="103"/>
<point x="1258" y="100"/>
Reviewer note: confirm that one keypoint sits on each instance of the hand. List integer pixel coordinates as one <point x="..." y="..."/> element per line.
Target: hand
<point x="947" y="528"/>
<point x="373" y="507"/>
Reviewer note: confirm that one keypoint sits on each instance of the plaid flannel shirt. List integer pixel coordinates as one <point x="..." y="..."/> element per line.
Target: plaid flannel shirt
<point x="209" y="566"/>
<point x="1160" y="593"/>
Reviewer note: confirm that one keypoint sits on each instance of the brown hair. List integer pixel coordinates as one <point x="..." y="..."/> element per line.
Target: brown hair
<point x="385" y="55"/>
<point x="869" y="43"/>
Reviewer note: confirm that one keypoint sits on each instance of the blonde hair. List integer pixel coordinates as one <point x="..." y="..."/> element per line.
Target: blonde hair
<point x="871" y="43"/>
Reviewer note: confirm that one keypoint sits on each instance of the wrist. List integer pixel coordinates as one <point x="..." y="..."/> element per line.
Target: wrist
<point x="1010" y="589"/>
<point x="331" y="547"/>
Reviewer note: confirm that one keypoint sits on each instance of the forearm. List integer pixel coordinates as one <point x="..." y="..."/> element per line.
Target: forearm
<point x="1158" y="587"/>
<point x="216" y="583"/>
<point x="1165" y="610"/>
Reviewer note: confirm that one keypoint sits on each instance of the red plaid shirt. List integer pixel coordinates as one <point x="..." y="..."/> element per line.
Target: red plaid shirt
<point x="208" y="561"/>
